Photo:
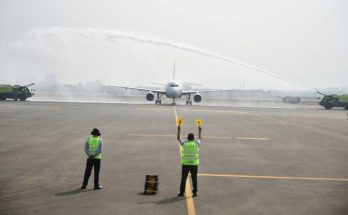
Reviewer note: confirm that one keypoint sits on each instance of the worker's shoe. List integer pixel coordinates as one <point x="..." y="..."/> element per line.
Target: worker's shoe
<point x="83" y="187"/>
<point x="99" y="187"/>
<point x="194" y="194"/>
<point x="180" y="194"/>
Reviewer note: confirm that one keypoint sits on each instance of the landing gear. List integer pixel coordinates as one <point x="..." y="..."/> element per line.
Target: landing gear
<point x="158" y="100"/>
<point x="188" y="101"/>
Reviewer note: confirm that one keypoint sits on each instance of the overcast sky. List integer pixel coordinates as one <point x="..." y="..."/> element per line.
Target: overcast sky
<point x="136" y="42"/>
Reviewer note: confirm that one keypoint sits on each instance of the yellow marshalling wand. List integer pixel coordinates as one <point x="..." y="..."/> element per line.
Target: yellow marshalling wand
<point x="180" y="121"/>
<point x="199" y="122"/>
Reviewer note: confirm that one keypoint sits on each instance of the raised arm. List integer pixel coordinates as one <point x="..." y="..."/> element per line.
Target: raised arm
<point x="199" y="132"/>
<point x="178" y="134"/>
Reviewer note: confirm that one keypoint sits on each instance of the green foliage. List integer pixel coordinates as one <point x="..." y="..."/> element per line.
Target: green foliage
<point x="340" y="98"/>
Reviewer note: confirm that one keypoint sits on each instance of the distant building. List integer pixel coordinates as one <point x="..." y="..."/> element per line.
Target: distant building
<point x="291" y="99"/>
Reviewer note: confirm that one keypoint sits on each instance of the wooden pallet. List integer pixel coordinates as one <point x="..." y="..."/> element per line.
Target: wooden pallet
<point x="151" y="185"/>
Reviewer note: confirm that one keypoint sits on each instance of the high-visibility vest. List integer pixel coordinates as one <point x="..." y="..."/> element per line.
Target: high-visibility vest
<point x="93" y="145"/>
<point x="190" y="153"/>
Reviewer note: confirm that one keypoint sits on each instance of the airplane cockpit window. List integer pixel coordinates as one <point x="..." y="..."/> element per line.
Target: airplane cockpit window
<point x="173" y="85"/>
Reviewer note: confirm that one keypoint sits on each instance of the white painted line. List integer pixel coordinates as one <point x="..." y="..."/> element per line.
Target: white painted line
<point x="153" y="109"/>
<point x="274" y="177"/>
<point x="215" y="111"/>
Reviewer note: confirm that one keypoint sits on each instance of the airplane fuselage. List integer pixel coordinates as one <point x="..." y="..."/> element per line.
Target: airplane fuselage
<point x="173" y="90"/>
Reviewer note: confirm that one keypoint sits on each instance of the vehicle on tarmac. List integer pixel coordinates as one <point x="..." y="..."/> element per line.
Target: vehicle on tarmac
<point x="333" y="100"/>
<point x="15" y="92"/>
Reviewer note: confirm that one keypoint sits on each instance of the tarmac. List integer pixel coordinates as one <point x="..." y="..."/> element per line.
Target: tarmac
<point x="268" y="160"/>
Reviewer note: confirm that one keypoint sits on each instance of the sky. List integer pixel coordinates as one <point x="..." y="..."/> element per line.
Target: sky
<point x="270" y="44"/>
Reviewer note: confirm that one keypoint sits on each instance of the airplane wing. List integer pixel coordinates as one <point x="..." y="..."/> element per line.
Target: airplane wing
<point x="196" y="95"/>
<point x="141" y="89"/>
<point x="201" y="91"/>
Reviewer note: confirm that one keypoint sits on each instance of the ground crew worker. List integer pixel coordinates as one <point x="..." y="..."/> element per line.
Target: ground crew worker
<point x="189" y="160"/>
<point x="93" y="149"/>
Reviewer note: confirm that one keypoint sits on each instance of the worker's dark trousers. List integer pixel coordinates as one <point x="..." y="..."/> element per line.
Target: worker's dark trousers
<point x="89" y="165"/>
<point x="193" y="169"/>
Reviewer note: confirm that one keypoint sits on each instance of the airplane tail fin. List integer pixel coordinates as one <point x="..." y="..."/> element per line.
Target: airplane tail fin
<point x="174" y="71"/>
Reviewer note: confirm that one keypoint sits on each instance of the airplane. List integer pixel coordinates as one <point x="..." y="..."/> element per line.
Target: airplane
<point x="173" y="89"/>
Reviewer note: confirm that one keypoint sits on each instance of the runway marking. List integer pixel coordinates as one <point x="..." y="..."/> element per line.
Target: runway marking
<point x="252" y="138"/>
<point x="152" y="135"/>
<point x="312" y="115"/>
<point x="189" y="200"/>
<point x="217" y="137"/>
<point x="153" y="109"/>
<point x="273" y="177"/>
<point x="215" y="111"/>
<point x="206" y="137"/>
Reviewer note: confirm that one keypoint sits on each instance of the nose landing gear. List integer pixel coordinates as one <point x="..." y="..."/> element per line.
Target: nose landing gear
<point x="173" y="103"/>
<point x="188" y="101"/>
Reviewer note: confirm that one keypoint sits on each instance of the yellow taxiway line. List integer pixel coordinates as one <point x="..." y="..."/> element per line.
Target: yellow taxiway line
<point x="189" y="200"/>
<point x="273" y="177"/>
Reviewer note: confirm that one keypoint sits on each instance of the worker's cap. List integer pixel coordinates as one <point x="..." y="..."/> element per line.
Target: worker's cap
<point x="190" y="136"/>
<point x="95" y="132"/>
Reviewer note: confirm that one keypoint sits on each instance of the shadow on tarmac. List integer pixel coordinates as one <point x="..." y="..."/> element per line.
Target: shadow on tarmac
<point x="163" y="201"/>
<point x="170" y="200"/>
<point x="72" y="192"/>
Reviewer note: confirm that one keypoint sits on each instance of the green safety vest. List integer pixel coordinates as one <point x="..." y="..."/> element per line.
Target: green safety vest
<point x="93" y="145"/>
<point x="190" y="153"/>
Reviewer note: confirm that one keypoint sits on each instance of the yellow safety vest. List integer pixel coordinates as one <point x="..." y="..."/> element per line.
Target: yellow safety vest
<point x="190" y="153"/>
<point x="93" y="145"/>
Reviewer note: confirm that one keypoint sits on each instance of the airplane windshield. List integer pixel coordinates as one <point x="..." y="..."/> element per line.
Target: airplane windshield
<point x="173" y="85"/>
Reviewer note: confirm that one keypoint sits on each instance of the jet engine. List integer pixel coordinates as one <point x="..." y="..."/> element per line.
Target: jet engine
<point x="150" y="97"/>
<point x="197" y="98"/>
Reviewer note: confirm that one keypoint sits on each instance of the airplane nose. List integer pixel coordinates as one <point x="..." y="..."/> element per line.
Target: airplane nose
<point x="173" y="93"/>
